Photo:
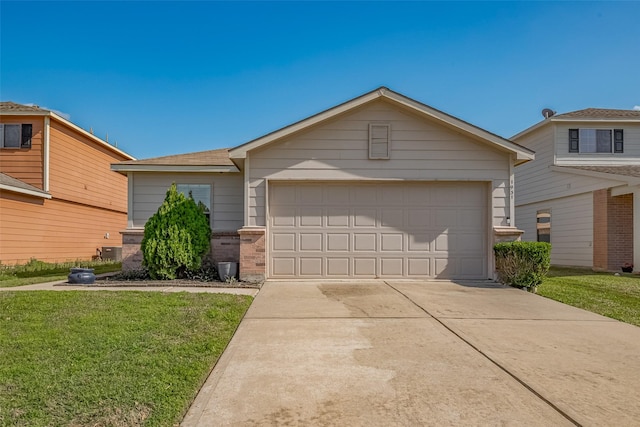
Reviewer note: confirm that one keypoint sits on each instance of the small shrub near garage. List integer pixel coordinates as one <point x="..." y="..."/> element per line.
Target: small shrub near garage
<point x="176" y="237"/>
<point x="522" y="264"/>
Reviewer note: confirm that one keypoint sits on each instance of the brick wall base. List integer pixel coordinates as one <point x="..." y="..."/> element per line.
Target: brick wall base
<point x="225" y="247"/>
<point x="252" y="254"/>
<point x="131" y="253"/>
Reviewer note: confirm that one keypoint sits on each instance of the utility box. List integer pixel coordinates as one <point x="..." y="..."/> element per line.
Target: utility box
<point x="112" y="253"/>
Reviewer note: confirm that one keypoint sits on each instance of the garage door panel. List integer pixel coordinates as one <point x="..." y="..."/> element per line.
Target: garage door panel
<point x="392" y="218"/>
<point x="364" y="242"/>
<point x="284" y="217"/>
<point x="338" y="217"/>
<point x="338" y="267"/>
<point x="419" y="218"/>
<point x="338" y="242"/>
<point x="419" y="242"/>
<point x="364" y="217"/>
<point x="392" y="267"/>
<point x="364" y="267"/>
<point x="392" y="242"/>
<point x="378" y="230"/>
<point x="419" y="267"/>
<point x="283" y="242"/>
<point x="283" y="267"/>
<point x="311" y="241"/>
<point x="310" y="217"/>
<point x="311" y="194"/>
<point x="311" y="266"/>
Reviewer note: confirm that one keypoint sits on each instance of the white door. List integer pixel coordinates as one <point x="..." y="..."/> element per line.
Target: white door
<point x="347" y="230"/>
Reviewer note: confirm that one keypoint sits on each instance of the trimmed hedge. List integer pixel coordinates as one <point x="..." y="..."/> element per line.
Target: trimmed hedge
<point x="176" y="237"/>
<point x="522" y="264"/>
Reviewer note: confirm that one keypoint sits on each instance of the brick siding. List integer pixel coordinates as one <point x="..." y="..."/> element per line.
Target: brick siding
<point x="252" y="254"/>
<point x="612" y="230"/>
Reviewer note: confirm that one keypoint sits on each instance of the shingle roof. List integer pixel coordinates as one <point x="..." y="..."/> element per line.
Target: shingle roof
<point x="218" y="157"/>
<point x="600" y="113"/>
<point x="16" y="183"/>
<point x="628" y="170"/>
<point x="8" y="106"/>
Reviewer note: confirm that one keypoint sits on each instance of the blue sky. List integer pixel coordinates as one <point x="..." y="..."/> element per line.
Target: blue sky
<point x="165" y="78"/>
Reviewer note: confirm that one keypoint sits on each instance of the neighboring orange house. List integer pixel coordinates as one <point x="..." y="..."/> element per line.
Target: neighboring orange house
<point x="59" y="200"/>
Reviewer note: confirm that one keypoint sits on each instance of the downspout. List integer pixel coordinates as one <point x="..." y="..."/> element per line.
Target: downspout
<point x="45" y="153"/>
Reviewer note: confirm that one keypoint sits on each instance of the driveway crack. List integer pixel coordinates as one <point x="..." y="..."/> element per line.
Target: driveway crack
<point x="486" y="356"/>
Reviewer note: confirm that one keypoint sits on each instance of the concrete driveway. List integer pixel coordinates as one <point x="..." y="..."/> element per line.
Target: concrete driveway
<point x="408" y="353"/>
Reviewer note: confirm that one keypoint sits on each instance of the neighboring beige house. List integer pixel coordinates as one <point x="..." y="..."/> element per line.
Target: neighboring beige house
<point x="582" y="192"/>
<point x="381" y="186"/>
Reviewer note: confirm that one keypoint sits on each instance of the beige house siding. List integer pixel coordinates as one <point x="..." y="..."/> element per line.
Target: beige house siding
<point x="149" y="190"/>
<point x="631" y="145"/>
<point x="535" y="181"/>
<point x="571" y="228"/>
<point x="338" y="150"/>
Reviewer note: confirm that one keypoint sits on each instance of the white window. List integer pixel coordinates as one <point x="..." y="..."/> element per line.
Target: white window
<point x="15" y="135"/>
<point x="596" y="141"/>
<point x="379" y="141"/>
<point x="201" y="193"/>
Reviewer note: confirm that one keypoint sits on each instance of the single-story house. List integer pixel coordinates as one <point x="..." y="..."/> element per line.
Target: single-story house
<point x="582" y="192"/>
<point x="381" y="186"/>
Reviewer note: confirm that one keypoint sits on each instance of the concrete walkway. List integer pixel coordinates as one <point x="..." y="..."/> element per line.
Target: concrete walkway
<point x="62" y="285"/>
<point x="389" y="353"/>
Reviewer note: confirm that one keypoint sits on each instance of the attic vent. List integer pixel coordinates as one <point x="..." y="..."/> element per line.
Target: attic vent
<point x="379" y="141"/>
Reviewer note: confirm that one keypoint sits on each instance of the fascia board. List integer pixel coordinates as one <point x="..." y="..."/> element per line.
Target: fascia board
<point x="13" y="189"/>
<point x="173" y="168"/>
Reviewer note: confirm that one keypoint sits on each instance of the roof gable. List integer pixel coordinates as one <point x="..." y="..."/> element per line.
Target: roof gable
<point x="522" y="154"/>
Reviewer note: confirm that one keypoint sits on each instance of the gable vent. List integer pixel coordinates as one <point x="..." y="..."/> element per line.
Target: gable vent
<point x="379" y="141"/>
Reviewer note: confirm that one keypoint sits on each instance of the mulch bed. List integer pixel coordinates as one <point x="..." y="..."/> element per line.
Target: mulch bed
<point x="107" y="281"/>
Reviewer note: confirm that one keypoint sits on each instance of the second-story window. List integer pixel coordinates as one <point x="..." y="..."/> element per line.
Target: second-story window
<point x="596" y="141"/>
<point x="15" y="135"/>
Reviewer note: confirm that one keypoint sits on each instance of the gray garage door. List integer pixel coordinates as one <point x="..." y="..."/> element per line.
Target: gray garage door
<point x="338" y="230"/>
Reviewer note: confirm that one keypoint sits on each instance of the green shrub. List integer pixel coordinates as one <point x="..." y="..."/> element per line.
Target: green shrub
<point x="522" y="264"/>
<point x="176" y="237"/>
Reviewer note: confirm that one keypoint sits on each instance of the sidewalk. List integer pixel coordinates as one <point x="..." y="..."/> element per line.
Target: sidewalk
<point x="62" y="285"/>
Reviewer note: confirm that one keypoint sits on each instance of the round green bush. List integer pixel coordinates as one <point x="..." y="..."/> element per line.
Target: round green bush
<point x="176" y="237"/>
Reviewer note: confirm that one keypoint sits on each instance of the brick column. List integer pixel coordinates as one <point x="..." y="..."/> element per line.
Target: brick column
<point x="252" y="254"/>
<point x="131" y="253"/>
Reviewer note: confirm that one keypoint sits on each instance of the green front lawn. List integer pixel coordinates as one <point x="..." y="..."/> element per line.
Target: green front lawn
<point x="613" y="296"/>
<point x="109" y="358"/>
<point x="41" y="272"/>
